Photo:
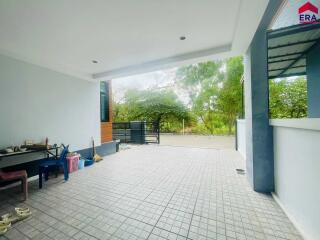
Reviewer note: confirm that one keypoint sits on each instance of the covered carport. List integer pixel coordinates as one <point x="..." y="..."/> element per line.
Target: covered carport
<point x="52" y="63"/>
<point x="54" y="48"/>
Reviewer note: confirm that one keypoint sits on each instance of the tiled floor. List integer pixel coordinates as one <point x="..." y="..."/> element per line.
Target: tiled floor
<point x="152" y="192"/>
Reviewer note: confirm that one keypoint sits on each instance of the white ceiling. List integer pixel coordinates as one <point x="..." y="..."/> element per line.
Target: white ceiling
<point x="125" y="36"/>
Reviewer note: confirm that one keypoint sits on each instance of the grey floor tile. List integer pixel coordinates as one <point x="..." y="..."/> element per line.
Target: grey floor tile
<point x="155" y="192"/>
<point x="175" y="221"/>
<point x="133" y="229"/>
<point x="159" y="197"/>
<point x="160" y="234"/>
<point x="83" y="236"/>
<point x="148" y="213"/>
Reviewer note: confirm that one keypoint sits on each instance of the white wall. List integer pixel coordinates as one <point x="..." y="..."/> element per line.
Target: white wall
<point x="297" y="172"/>
<point x="36" y="103"/>
<point x="241" y="134"/>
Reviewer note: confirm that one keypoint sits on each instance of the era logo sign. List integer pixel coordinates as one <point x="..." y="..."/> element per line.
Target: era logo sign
<point x="308" y="13"/>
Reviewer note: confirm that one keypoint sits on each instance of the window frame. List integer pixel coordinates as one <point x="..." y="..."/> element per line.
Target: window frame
<point x="104" y="95"/>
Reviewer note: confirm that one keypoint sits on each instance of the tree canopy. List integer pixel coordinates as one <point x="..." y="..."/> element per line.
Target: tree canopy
<point x="151" y="105"/>
<point x="288" y="98"/>
<point x="215" y="93"/>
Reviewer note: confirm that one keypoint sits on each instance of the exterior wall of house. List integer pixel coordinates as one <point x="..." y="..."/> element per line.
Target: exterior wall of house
<point x="241" y="137"/>
<point x="106" y="127"/>
<point x="37" y="103"/>
<point x="297" y="168"/>
<point x="313" y="82"/>
<point x="296" y="158"/>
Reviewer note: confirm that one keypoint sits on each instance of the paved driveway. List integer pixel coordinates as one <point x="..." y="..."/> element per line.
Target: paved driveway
<point x="152" y="192"/>
<point x="201" y="141"/>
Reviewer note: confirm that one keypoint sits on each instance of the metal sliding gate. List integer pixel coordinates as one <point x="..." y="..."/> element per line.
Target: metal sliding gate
<point x="140" y="132"/>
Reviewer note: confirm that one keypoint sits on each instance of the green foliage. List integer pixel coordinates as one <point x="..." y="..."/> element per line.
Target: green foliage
<point x="152" y="105"/>
<point x="215" y="95"/>
<point x="202" y="81"/>
<point x="288" y="98"/>
<point x="229" y="98"/>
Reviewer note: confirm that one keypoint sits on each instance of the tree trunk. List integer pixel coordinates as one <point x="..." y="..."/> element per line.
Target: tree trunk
<point x="210" y="129"/>
<point x="230" y="129"/>
<point x="230" y="125"/>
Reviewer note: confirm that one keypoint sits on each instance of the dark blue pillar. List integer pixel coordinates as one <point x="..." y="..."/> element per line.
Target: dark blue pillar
<point x="313" y="82"/>
<point x="259" y="138"/>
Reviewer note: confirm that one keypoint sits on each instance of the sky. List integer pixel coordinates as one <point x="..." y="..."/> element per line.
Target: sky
<point x="153" y="80"/>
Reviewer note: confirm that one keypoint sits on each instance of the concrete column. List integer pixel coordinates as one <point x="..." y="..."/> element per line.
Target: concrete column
<point x="313" y="82"/>
<point x="259" y="138"/>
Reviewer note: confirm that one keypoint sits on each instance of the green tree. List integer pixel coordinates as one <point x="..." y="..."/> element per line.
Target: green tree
<point x="201" y="81"/>
<point x="288" y="98"/>
<point x="215" y="94"/>
<point x="152" y="105"/>
<point x="229" y="98"/>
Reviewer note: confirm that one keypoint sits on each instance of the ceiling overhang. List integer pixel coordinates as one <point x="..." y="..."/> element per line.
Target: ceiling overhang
<point x="125" y="37"/>
<point x="165" y="63"/>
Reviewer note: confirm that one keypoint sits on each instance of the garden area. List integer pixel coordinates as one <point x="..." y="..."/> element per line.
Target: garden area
<point x="212" y="99"/>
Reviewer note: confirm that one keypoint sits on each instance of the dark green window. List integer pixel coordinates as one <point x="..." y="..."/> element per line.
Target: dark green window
<point x="104" y="101"/>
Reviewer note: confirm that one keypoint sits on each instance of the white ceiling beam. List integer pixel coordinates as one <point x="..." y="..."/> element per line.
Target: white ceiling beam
<point x="163" y="63"/>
